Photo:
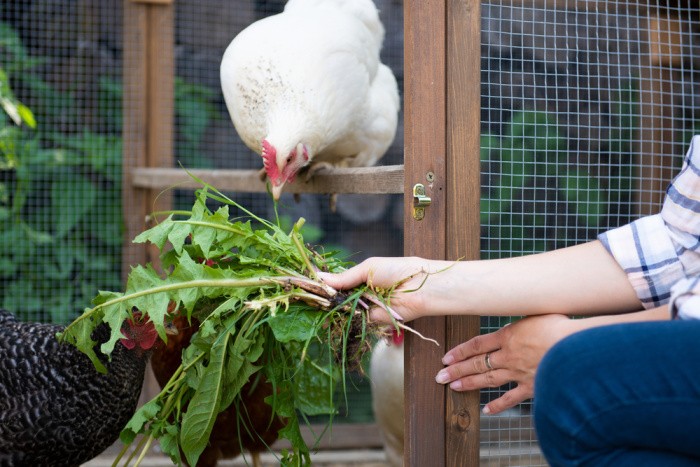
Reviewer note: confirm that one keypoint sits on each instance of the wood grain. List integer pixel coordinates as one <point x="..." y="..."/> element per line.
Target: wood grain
<point x="134" y="130"/>
<point x="369" y="180"/>
<point x="655" y="150"/>
<point x="462" y="206"/>
<point x="161" y="105"/>
<point x="424" y="136"/>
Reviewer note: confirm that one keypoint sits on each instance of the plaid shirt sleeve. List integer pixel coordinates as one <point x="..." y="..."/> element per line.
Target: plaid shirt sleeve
<point x="685" y="299"/>
<point x="661" y="253"/>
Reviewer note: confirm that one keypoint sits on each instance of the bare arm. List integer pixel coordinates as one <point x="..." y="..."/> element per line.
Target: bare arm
<point x="578" y="280"/>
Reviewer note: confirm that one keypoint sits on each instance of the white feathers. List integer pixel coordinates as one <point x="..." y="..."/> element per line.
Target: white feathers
<point x="386" y="373"/>
<point x="311" y="75"/>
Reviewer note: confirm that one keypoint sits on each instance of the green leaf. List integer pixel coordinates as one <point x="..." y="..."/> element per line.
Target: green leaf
<point x="489" y="147"/>
<point x="301" y="454"/>
<point x="72" y="197"/>
<point x="240" y="366"/>
<point x="26" y="115"/>
<point x="154" y="303"/>
<point x="204" y="406"/>
<point x="294" y="325"/>
<point x="169" y="444"/>
<point x="158" y="235"/>
<point x="585" y="194"/>
<point x="10" y="108"/>
<point x="22" y="298"/>
<point x="8" y="267"/>
<point x="106" y="224"/>
<point x="80" y="335"/>
<point x="540" y="133"/>
<point x="314" y="387"/>
<point x="187" y="270"/>
<point x="114" y="316"/>
<point x="143" y="415"/>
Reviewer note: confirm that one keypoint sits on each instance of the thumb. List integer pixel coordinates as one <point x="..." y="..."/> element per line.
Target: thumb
<point x="382" y="315"/>
<point x="345" y="280"/>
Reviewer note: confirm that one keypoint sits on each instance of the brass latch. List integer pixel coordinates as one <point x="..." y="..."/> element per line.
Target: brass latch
<point x="420" y="201"/>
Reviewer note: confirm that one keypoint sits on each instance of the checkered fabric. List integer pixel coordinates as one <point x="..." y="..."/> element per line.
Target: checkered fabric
<point x="661" y="253"/>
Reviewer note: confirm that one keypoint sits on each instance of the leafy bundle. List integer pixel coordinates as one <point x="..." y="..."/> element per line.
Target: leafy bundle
<point x="262" y="310"/>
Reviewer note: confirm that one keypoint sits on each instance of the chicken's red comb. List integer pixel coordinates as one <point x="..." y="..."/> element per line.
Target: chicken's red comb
<point x="269" y="156"/>
<point x="140" y="331"/>
<point x="397" y="336"/>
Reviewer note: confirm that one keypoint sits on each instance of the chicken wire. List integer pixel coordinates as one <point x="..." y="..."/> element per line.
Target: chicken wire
<point x="61" y="203"/>
<point x="60" y="191"/>
<point x="361" y="226"/>
<point x="580" y="131"/>
<point x="587" y="111"/>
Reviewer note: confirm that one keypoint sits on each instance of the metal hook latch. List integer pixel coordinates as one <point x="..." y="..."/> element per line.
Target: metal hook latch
<point x="420" y="201"/>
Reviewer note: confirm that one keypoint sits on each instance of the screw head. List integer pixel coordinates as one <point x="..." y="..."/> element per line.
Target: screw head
<point x="430" y="177"/>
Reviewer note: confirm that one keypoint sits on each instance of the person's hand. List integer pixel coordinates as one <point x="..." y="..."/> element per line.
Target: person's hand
<point x="408" y="275"/>
<point x="510" y="354"/>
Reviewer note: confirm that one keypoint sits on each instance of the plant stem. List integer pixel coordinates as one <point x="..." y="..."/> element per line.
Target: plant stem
<point x="138" y="446"/>
<point x="302" y="250"/>
<point x="144" y="451"/>
<point x="211" y="225"/>
<point x="250" y="282"/>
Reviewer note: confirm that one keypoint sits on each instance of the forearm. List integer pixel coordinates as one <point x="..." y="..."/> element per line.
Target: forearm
<point x="580" y="280"/>
<point x="654" y="314"/>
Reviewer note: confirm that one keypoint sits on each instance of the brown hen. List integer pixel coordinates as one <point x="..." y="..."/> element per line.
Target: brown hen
<point x="226" y="440"/>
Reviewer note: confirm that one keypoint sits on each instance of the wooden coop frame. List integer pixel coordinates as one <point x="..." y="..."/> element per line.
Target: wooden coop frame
<point x="442" y="138"/>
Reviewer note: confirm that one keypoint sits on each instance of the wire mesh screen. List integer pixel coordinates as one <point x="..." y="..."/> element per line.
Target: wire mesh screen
<point x="587" y="111"/>
<point x="60" y="207"/>
<point x="361" y="225"/>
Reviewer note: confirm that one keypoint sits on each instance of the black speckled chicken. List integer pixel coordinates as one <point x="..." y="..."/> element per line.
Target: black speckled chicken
<point x="55" y="408"/>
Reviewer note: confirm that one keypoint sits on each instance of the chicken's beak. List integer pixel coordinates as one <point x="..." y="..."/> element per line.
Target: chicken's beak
<point x="171" y="329"/>
<point x="277" y="191"/>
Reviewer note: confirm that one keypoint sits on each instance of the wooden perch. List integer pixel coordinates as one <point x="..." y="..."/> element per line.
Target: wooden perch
<point x="367" y="180"/>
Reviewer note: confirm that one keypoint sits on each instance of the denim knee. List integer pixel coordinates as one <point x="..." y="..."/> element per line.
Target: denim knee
<point x="557" y="413"/>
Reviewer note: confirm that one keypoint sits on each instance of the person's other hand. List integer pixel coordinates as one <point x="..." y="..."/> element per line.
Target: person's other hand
<point x="510" y="354"/>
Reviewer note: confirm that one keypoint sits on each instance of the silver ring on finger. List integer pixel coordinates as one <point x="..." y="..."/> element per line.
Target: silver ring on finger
<point x="487" y="360"/>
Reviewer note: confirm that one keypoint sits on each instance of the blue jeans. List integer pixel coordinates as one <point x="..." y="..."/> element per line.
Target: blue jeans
<point x="622" y="395"/>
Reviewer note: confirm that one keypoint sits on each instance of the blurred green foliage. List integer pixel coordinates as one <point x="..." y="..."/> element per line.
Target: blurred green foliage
<point x="536" y="195"/>
<point x="61" y="214"/>
<point x="60" y="185"/>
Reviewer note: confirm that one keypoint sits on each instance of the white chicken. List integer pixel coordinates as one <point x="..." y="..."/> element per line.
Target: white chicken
<point x="306" y="89"/>
<point x="386" y="373"/>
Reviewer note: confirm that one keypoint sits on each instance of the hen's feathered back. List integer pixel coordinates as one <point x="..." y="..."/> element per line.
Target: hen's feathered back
<point x="55" y="408"/>
<point x="309" y="83"/>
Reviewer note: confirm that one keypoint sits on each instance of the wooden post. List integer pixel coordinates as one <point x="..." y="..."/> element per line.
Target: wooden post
<point x="662" y="52"/>
<point x="149" y="74"/>
<point x="462" y="195"/>
<point x="134" y="129"/>
<point x="148" y="110"/>
<point x="442" y="62"/>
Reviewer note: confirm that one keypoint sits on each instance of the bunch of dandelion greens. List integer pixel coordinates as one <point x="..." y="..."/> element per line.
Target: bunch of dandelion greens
<point x="262" y="310"/>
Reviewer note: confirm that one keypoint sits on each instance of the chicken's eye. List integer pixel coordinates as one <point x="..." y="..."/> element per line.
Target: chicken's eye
<point x="289" y="159"/>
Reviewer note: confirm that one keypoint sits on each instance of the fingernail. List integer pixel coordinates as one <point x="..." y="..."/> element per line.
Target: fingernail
<point x="486" y="410"/>
<point x="456" y="385"/>
<point x="448" y="359"/>
<point x="442" y="377"/>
